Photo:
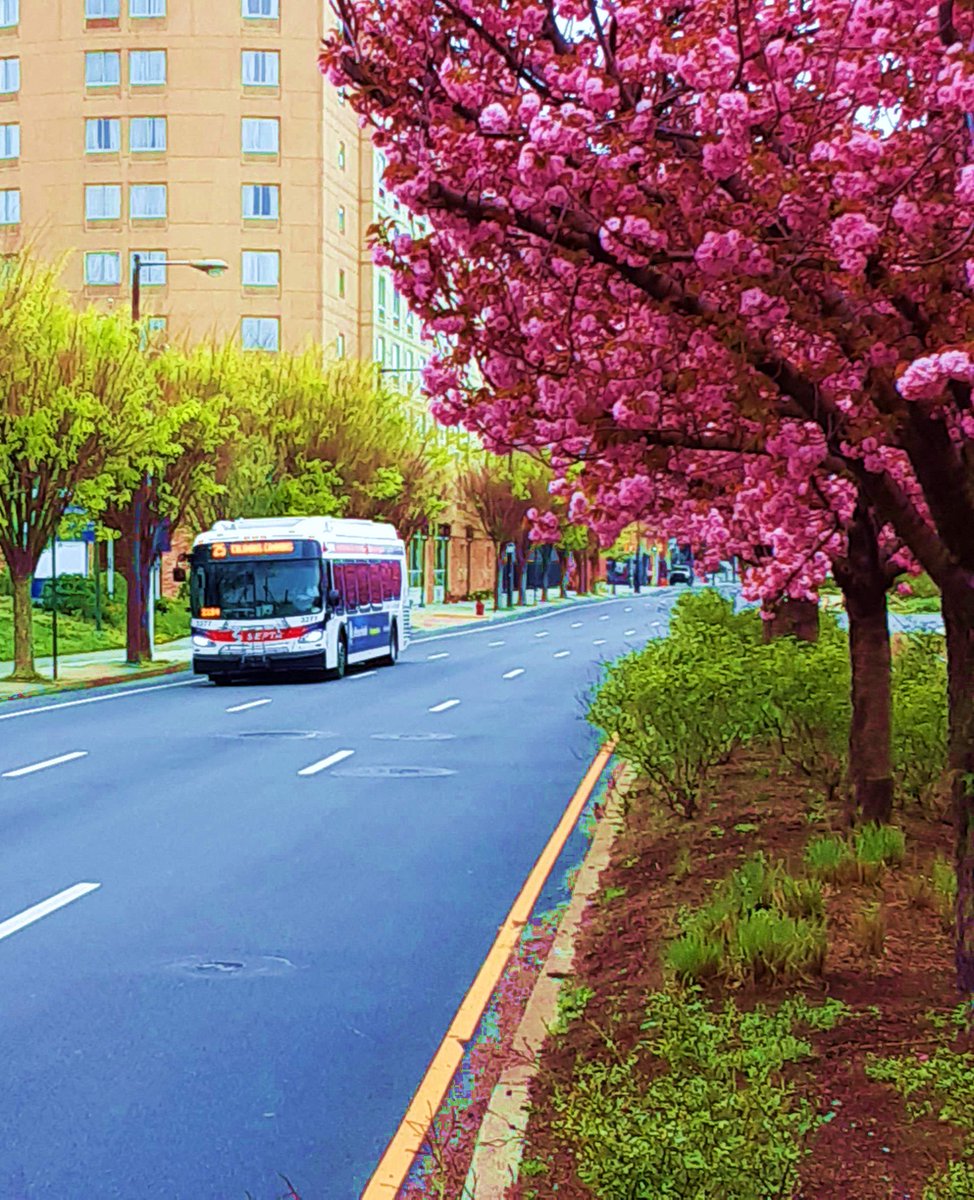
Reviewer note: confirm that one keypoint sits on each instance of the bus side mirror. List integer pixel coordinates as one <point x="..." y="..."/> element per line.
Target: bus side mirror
<point x="179" y="574"/>
<point x="334" y="598"/>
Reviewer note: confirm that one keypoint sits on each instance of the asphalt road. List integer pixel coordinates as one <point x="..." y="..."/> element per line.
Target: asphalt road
<point x="269" y="958"/>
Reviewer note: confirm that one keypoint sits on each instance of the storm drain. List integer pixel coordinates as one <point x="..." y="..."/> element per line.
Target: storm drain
<point x="223" y="968"/>
<point x="413" y="737"/>
<point x="282" y="733"/>
<point x="395" y="772"/>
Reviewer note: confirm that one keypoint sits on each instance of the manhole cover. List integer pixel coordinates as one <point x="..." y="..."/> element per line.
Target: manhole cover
<point x="222" y="968"/>
<point x="413" y="737"/>
<point x="281" y="733"/>
<point x="395" y="772"/>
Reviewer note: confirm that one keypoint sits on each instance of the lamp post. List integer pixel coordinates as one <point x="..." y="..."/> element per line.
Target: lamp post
<point x="207" y="266"/>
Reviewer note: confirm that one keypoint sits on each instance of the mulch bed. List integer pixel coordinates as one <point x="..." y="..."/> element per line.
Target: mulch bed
<point x="871" y="1150"/>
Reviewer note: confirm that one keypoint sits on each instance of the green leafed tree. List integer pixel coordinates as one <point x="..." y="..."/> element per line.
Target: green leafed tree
<point x="73" y="386"/>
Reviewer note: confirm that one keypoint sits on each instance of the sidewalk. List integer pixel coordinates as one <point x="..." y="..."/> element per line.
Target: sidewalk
<point x="435" y="618"/>
<point x="95" y="669"/>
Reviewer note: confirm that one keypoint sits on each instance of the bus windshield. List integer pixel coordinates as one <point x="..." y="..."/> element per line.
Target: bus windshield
<point x="251" y="589"/>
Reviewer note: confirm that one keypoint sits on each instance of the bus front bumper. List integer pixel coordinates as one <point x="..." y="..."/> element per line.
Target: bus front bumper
<point x="239" y="664"/>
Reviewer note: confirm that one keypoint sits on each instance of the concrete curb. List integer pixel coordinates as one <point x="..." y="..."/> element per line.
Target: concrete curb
<point x="499" y="1146"/>
<point x="522" y="614"/>
<point x="84" y="685"/>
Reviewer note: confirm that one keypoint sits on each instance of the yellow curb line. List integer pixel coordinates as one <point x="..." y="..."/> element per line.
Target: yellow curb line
<point x="394" y="1166"/>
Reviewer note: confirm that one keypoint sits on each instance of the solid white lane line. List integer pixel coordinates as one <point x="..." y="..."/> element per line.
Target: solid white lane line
<point x="543" y="633"/>
<point x="562" y="654"/>
<point x="514" y="674"/>
<point x="629" y="633"/>
<point x="48" y="762"/>
<point x="513" y="622"/>
<point x="444" y="706"/>
<point x="434" y="657"/>
<point x="159" y="687"/>
<point x="576" y="624"/>
<point x="599" y="642"/>
<point x="36" y="911"/>
<point x="362" y="675"/>
<point x="324" y="763"/>
<point x="250" y="704"/>
<point x="495" y="643"/>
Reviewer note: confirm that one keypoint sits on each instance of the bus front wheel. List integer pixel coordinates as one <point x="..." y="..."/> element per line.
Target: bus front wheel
<point x="341" y="658"/>
<point x="393" y="655"/>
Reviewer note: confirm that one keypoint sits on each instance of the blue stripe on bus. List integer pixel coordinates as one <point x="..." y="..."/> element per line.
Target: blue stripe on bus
<point x="368" y="631"/>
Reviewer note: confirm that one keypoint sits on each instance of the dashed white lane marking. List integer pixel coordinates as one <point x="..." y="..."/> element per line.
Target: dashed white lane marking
<point x="250" y="704"/>
<point x="434" y="657"/>
<point x="629" y="633"/>
<point x="514" y="674"/>
<point x="324" y="763"/>
<point x="48" y="762"/>
<point x="52" y="904"/>
<point x="599" y="642"/>
<point x="495" y="643"/>
<point x="576" y="625"/>
<point x="562" y="654"/>
<point x="542" y="633"/>
<point x="604" y="618"/>
<point x="628" y="608"/>
<point x="437" y="708"/>
<point x="159" y="687"/>
<point x="362" y="675"/>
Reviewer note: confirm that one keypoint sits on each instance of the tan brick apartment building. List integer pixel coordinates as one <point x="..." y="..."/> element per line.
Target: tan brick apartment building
<point x="202" y="129"/>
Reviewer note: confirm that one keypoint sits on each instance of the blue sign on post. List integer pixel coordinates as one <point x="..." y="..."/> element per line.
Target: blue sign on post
<point x="88" y="533"/>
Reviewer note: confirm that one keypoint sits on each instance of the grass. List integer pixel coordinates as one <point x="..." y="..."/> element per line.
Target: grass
<point x="943" y="881"/>
<point x="77" y="636"/>
<point x="869" y="930"/>
<point x="760" y="923"/>
<point x="829" y="858"/>
<point x="834" y="859"/>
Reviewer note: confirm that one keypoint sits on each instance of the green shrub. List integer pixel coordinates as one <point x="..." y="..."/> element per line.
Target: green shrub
<point x="878" y="846"/>
<point x="700" y="1108"/>
<point x="759" y="923"/>
<point x="572" y="1002"/>
<point x="829" y="857"/>
<point x="681" y="704"/>
<point x="939" y="1084"/>
<point x="956" y="1183"/>
<point x="6" y="582"/>
<point x="919" y="726"/>
<point x="808" y="710"/>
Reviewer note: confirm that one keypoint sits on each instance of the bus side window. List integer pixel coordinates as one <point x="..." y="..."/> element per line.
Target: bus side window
<point x="387" y="592"/>
<point x="375" y="582"/>
<point x="338" y="582"/>
<point x="351" y="586"/>
<point x="395" y="576"/>
<point x="365" y="583"/>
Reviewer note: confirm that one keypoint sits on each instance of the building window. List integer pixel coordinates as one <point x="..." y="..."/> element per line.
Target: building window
<point x="408" y="362"/>
<point x="103" y="268"/>
<point x="261" y="268"/>
<point x="261" y="68"/>
<point x="150" y="276"/>
<point x="103" y="202"/>
<point x="102" y="135"/>
<point x="340" y="345"/>
<point x="10" y="206"/>
<point x="147" y="8"/>
<point x="147" y="68"/>
<point x="341" y="283"/>
<point x="102" y="10"/>
<point x="266" y="10"/>
<point x="147" y="201"/>
<point x="396" y="307"/>
<point x="260" y="135"/>
<point x="396" y="357"/>
<point x="157" y="324"/>
<point x="9" y="141"/>
<point x="381" y="296"/>
<point x="261" y="201"/>
<point x="9" y="75"/>
<point x="9" y="13"/>
<point x="103" y="68"/>
<point x="260" y="333"/>
<point x="341" y="156"/>
<point x="147" y="134"/>
<point x="341" y="218"/>
<point x="380" y="349"/>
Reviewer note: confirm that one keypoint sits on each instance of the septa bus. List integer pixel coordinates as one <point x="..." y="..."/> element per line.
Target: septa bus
<point x="295" y="593"/>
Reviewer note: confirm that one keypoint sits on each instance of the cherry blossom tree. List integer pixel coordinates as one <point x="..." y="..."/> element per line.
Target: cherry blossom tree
<point x="659" y="226"/>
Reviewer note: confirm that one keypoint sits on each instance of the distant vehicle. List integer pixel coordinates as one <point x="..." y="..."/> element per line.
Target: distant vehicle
<point x="295" y="594"/>
<point x="681" y="564"/>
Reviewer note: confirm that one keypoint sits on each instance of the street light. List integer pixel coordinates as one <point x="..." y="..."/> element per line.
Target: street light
<point x="208" y="266"/>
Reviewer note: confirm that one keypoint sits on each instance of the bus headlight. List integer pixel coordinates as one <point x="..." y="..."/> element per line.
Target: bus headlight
<point x="313" y="635"/>
<point x="200" y="640"/>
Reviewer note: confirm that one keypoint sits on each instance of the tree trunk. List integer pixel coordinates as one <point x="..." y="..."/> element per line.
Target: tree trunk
<point x="134" y="567"/>
<point x="794" y="618"/>
<point x="24" y="670"/>
<point x="958" y="611"/>
<point x="870" y="752"/>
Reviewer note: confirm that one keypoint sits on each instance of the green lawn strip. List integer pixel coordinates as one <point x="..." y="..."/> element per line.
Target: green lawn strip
<point x="78" y="636"/>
